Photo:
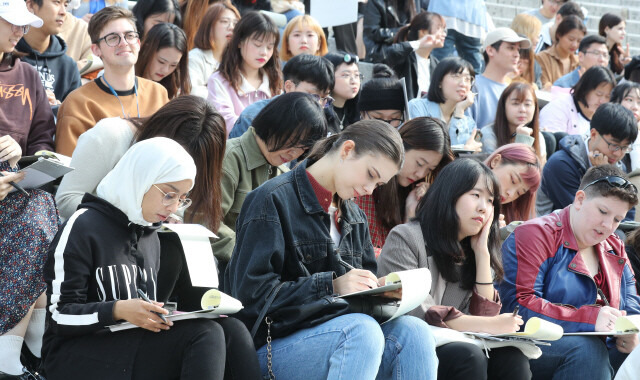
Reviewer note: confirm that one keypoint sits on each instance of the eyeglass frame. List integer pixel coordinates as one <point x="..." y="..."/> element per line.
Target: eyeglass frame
<point x="624" y="185"/>
<point x="617" y="147"/>
<point x="461" y="76"/>
<point x="120" y="38"/>
<point x="325" y="102"/>
<point x="401" y="120"/>
<point x="599" y="54"/>
<point x="182" y="203"/>
<point x="16" y="28"/>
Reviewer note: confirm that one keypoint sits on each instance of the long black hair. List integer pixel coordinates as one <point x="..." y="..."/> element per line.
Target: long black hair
<point x="440" y="223"/>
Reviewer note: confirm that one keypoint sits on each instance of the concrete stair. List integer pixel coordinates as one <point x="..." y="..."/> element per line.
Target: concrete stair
<point x="503" y="12"/>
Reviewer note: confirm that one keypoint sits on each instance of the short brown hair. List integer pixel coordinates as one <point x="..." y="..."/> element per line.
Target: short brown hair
<point x="106" y="15"/>
<point x="603" y="189"/>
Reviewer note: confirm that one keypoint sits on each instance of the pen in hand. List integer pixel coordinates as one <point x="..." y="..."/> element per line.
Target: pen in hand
<point x="515" y="311"/>
<point x="345" y="264"/>
<point x="144" y="297"/>
<point x="16" y="186"/>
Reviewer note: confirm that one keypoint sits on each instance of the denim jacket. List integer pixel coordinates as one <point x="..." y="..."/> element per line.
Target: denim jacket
<point x="283" y="236"/>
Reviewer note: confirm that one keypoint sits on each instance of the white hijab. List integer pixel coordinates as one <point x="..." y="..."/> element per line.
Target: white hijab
<point x="152" y="161"/>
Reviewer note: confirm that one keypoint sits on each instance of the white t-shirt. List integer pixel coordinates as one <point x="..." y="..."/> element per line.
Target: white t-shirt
<point x="424" y="75"/>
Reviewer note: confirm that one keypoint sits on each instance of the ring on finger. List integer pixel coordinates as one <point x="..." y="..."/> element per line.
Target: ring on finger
<point x="623" y="344"/>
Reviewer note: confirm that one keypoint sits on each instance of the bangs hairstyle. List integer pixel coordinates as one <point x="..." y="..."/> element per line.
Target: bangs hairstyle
<point x="527" y="25"/>
<point x="145" y="8"/>
<point x="294" y="119"/>
<point x="161" y="36"/>
<point x="590" y="80"/>
<point x="501" y="124"/>
<point x="104" y="16"/>
<point x="196" y="125"/>
<point x="603" y="189"/>
<point x="568" y="24"/>
<point x="253" y="26"/>
<point x="440" y="224"/>
<point x="205" y="37"/>
<point x="615" y="120"/>
<point x="351" y="111"/>
<point x="300" y="22"/>
<point x="524" y="207"/>
<point x="623" y="90"/>
<point x="422" y="21"/>
<point x="452" y="65"/>
<point x="420" y="133"/>
<point x="373" y="137"/>
<point x="609" y="20"/>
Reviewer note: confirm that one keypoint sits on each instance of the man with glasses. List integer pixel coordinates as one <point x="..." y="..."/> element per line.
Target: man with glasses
<point x="46" y="51"/>
<point x="302" y="73"/>
<point x="613" y="130"/>
<point x="118" y="92"/>
<point x="501" y="55"/>
<point x="592" y="52"/>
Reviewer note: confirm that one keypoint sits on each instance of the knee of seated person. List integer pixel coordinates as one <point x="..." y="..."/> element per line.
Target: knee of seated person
<point x="409" y="328"/>
<point x="588" y="351"/>
<point x="473" y="356"/>
<point x="364" y="331"/>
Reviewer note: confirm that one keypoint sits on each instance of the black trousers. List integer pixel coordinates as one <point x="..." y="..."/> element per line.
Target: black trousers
<point x="464" y="361"/>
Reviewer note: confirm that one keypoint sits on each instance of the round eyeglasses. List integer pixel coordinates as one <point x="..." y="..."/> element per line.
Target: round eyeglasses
<point x="172" y="198"/>
<point x="113" y="39"/>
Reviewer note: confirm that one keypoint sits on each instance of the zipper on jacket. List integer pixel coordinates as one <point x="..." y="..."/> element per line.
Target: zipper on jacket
<point x="592" y="280"/>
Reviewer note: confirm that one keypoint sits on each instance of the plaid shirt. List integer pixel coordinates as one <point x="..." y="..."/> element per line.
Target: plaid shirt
<point x="377" y="231"/>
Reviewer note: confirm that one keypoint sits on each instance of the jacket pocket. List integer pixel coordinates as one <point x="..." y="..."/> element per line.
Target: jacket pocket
<point x="312" y="253"/>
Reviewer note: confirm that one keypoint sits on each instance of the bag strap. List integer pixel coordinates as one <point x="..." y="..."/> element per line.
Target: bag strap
<point x="264" y="310"/>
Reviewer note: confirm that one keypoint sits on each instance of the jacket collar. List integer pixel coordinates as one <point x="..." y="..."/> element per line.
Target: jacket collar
<point x="252" y="154"/>
<point x="554" y="53"/>
<point x="349" y="211"/>
<point x="246" y="88"/>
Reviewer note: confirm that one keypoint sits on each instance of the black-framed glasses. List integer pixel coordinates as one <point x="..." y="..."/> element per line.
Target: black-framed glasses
<point x="172" y="197"/>
<point x="615" y="147"/>
<point x="113" y="39"/>
<point x="614" y="181"/>
<point x="393" y="122"/>
<point x="18" y="28"/>
<point x="324" y="102"/>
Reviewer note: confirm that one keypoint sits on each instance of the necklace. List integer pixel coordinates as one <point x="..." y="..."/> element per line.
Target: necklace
<point x="135" y="90"/>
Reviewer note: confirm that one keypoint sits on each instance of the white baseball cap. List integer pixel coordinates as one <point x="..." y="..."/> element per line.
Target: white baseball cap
<point x="15" y="12"/>
<point x="503" y="34"/>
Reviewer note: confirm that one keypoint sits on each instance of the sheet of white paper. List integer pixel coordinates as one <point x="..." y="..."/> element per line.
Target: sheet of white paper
<point x="42" y="172"/>
<point x="334" y="12"/>
<point x="198" y="253"/>
<point x="416" y="284"/>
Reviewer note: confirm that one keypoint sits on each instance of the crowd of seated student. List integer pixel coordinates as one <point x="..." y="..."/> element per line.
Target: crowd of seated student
<point x="301" y="167"/>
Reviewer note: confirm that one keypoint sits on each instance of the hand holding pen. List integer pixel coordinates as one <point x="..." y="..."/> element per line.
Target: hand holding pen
<point x="354" y="280"/>
<point x="141" y="313"/>
<point x="8" y="183"/>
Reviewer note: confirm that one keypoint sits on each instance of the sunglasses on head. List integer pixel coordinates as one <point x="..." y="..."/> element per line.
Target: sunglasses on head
<point x="349" y="59"/>
<point x="614" y="181"/>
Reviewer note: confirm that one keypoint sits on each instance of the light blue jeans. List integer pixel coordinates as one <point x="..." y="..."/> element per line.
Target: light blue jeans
<point x="355" y="346"/>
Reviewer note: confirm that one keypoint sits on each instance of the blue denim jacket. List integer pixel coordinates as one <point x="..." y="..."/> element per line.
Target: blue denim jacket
<point x="282" y="235"/>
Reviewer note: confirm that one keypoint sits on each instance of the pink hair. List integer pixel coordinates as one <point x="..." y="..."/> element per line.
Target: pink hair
<point x="522" y="208"/>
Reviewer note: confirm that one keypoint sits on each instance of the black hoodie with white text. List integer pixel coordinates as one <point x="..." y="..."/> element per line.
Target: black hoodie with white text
<point x="58" y="72"/>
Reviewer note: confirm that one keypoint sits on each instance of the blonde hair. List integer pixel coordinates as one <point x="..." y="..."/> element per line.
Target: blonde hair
<point x="527" y="25"/>
<point x="300" y="21"/>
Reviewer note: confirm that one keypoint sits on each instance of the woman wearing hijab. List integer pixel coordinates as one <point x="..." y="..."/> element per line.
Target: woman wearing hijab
<point x="102" y="256"/>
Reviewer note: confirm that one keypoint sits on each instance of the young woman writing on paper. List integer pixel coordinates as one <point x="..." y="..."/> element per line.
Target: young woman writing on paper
<point x="569" y="267"/>
<point x="455" y="235"/>
<point x="28" y="224"/>
<point x="312" y="225"/>
<point x="102" y="256"/>
<point x="427" y="151"/>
